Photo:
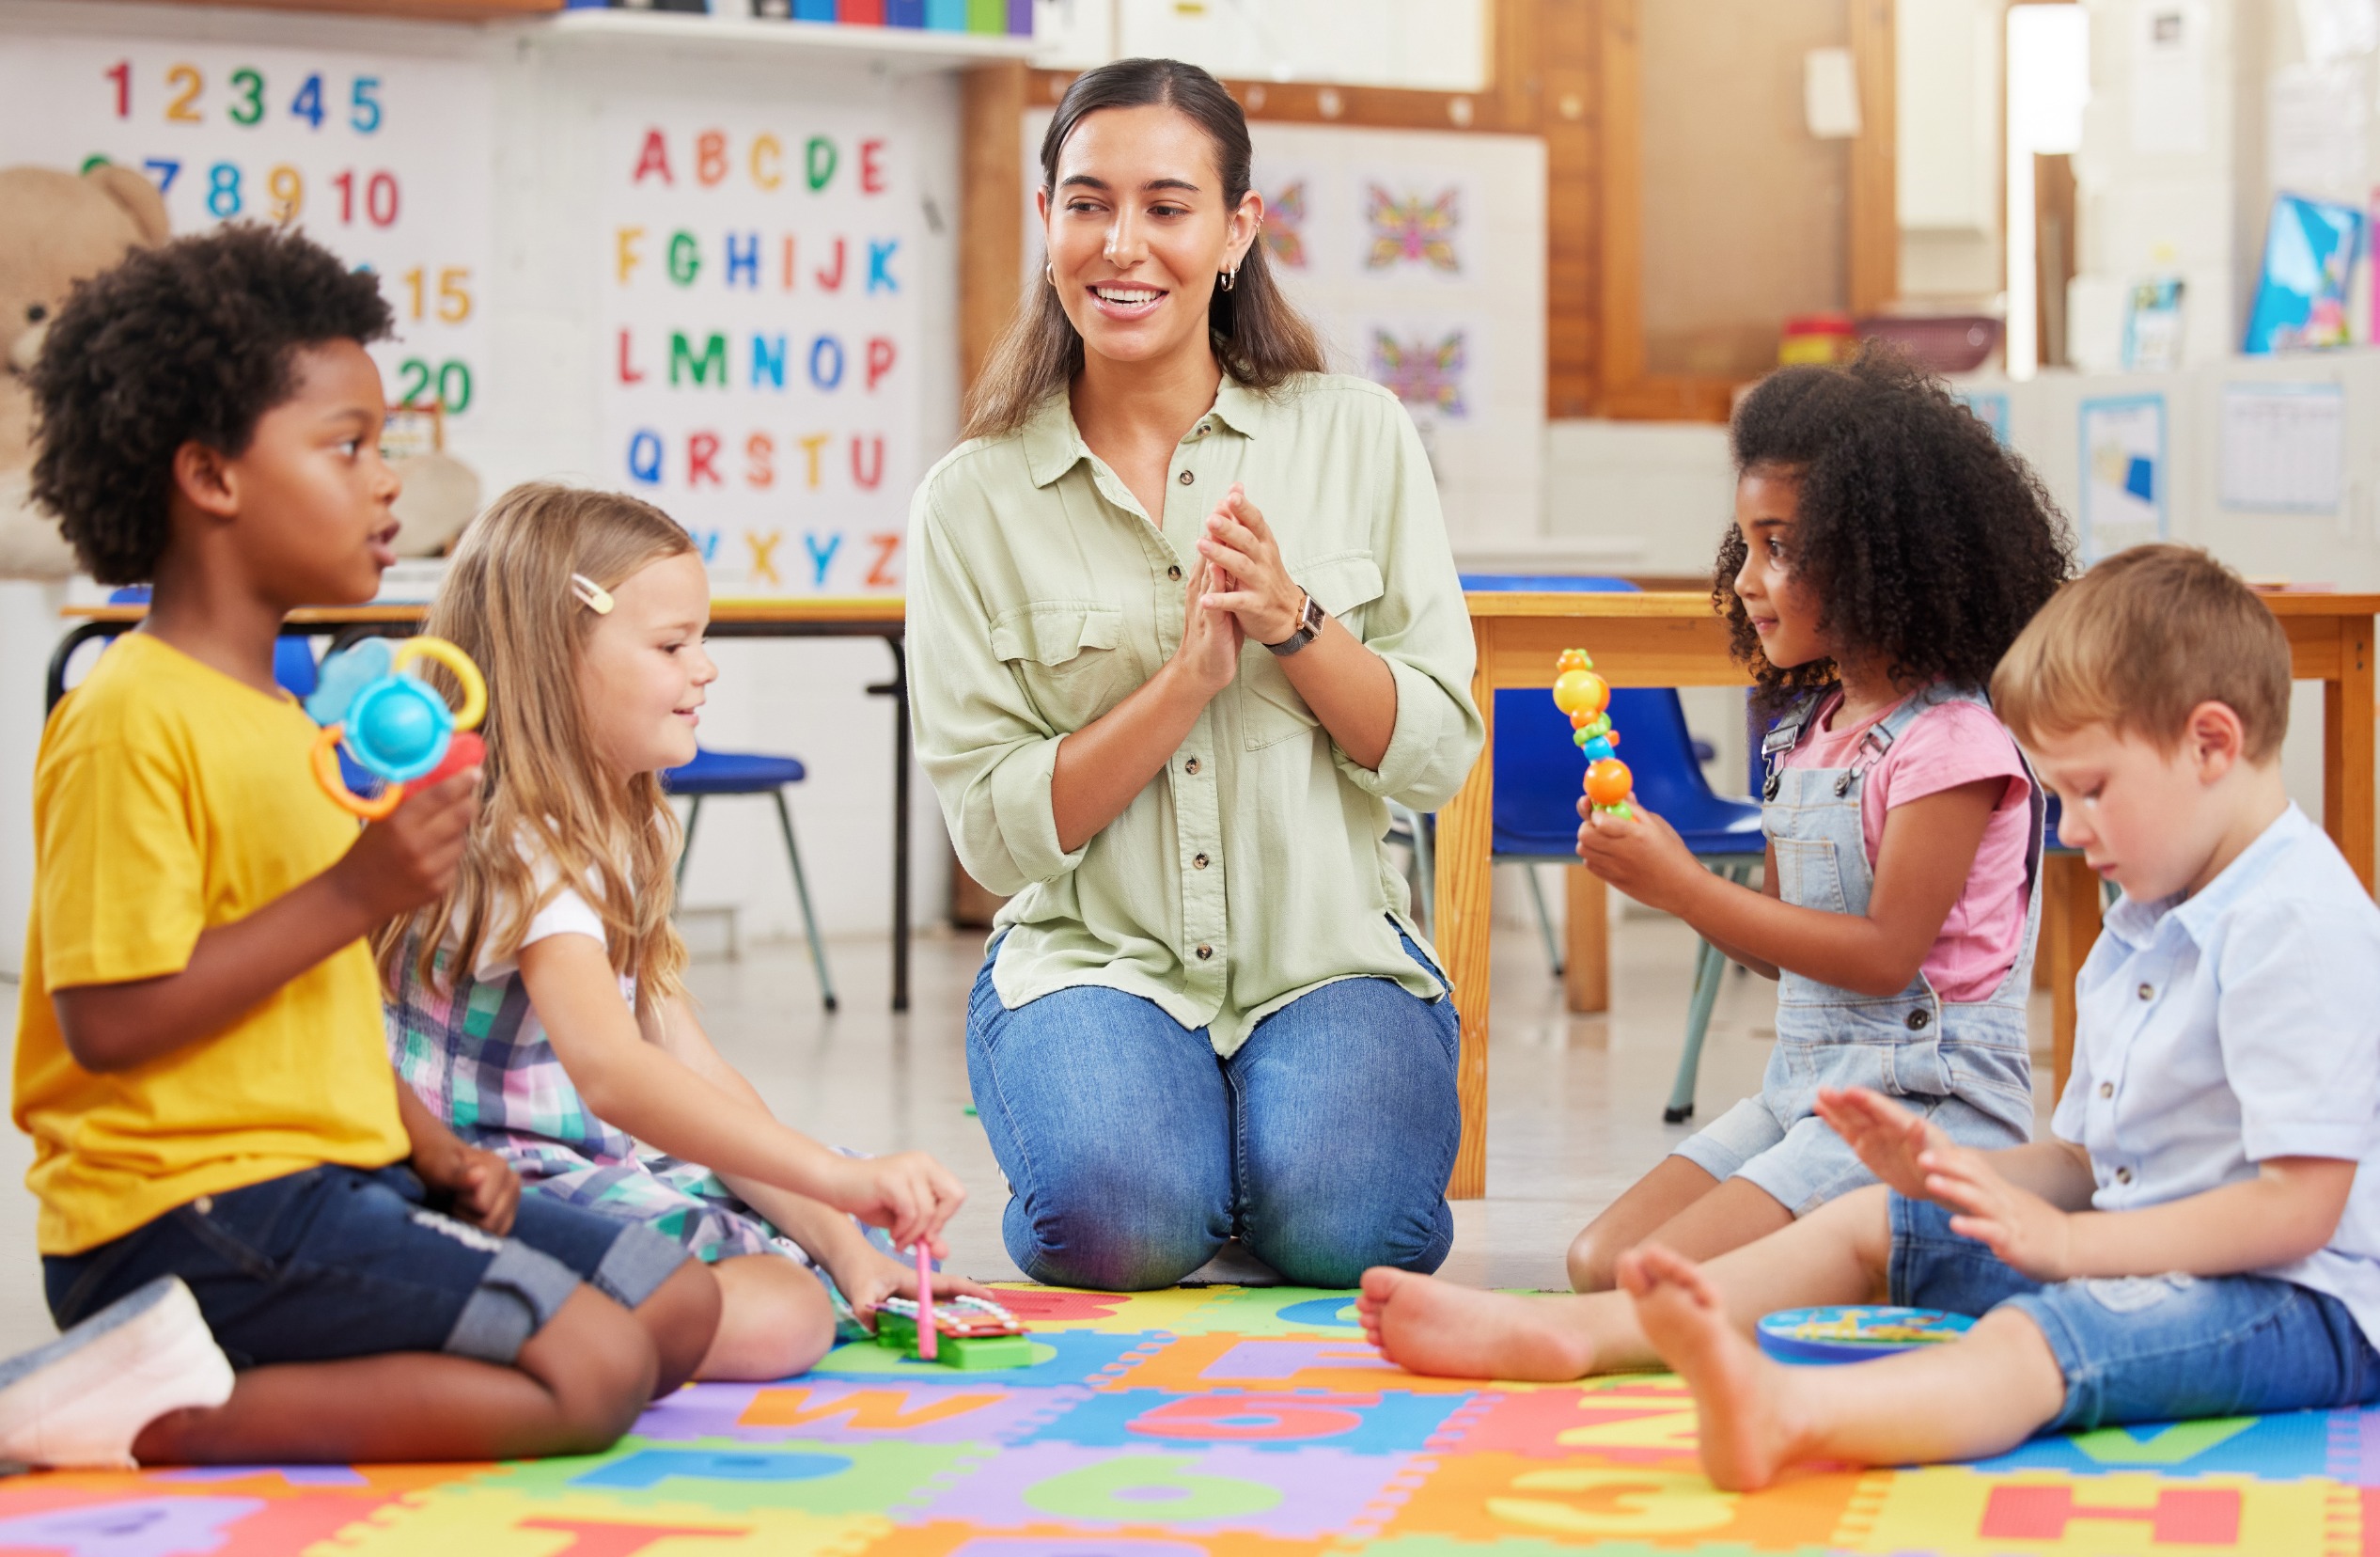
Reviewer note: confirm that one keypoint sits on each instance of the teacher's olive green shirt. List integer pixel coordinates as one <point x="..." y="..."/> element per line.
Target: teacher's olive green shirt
<point x="1253" y="869"/>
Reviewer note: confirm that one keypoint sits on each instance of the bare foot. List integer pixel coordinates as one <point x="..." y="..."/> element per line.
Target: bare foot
<point x="1746" y="1433"/>
<point x="1426" y="1325"/>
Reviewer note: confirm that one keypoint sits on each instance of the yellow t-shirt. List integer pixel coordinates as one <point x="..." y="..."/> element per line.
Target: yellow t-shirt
<point x="169" y="799"/>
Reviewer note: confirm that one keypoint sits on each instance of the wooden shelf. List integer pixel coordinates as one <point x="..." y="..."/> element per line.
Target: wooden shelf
<point x="412" y="10"/>
<point x="901" y="49"/>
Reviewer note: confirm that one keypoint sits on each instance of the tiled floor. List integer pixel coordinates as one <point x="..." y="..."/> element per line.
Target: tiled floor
<point x="1574" y="1101"/>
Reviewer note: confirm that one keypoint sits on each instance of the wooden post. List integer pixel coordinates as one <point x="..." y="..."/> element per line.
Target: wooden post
<point x="1875" y="195"/>
<point x="2347" y="797"/>
<point x="1587" y="958"/>
<point x="1464" y="916"/>
<point x="991" y="196"/>
<point x="2069" y="926"/>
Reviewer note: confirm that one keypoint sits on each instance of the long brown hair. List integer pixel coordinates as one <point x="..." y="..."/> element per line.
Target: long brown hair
<point x="507" y="602"/>
<point x="1260" y="338"/>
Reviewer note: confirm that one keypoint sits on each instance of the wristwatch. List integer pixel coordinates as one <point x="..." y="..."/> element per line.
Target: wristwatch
<point x="1309" y="627"/>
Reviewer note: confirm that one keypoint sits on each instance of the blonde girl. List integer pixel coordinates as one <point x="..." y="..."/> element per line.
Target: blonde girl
<point x="539" y="1006"/>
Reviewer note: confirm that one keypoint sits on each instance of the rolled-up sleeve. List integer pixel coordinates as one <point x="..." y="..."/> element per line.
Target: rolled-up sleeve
<point x="1421" y="628"/>
<point x="986" y="750"/>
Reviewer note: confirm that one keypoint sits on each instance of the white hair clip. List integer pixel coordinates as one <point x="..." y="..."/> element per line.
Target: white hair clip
<point x="592" y="595"/>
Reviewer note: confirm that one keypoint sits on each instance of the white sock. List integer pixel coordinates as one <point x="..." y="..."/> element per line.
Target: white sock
<point x="81" y="1399"/>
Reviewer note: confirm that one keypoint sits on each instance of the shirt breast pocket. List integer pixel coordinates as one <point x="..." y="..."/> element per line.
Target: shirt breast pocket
<point x="1271" y="712"/>
<point x="1070" y="655"/>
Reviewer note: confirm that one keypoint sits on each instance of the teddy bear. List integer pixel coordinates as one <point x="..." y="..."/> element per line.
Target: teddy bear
<point x="56" y="229"/>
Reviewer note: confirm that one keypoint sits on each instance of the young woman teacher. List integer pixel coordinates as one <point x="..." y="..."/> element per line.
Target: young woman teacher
<point x="1182" y="619"/>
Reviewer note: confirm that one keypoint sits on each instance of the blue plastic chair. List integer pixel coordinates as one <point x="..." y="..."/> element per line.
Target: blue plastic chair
<point x="750" y="773"/>
<point x="1537" y="788"/>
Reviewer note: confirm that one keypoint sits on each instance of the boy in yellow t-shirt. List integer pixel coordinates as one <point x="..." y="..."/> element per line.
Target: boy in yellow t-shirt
<point x="229" y="1176"/>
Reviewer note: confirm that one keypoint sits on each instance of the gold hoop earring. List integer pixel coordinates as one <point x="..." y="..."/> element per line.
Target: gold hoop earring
<point x="1049" y="273"/>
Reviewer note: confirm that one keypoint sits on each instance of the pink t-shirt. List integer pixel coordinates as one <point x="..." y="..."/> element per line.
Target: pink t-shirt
<point x="1948" y="745"/>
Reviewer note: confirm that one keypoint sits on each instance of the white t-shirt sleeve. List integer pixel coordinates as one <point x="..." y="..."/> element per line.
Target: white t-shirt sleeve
<point x="568" y="913"/>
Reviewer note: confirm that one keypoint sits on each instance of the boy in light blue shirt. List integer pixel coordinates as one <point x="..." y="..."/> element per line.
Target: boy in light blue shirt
<point x="2196" y="1240"/>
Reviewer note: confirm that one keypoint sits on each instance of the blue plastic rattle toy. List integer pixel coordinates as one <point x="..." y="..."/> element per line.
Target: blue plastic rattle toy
<point x="390" y="722"/>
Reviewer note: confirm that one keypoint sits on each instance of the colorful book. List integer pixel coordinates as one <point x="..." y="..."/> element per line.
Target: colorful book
<point x="813" y="10"/>
<point x="904" y="13"/>
<point x="987" y="16"/>
<point x="947" y="15"/>
<point x="1020" y="17"/>
<point x="866" y="13"/>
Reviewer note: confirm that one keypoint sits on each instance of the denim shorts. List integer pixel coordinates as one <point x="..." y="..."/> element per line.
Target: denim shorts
<point x="339" y="1261"/>
<point x="1802" y="1163"/>
<point x="2150" y="1348"/>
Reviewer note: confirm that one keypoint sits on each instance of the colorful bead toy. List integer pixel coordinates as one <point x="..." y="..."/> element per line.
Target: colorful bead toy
<point x="1584" y="696"/>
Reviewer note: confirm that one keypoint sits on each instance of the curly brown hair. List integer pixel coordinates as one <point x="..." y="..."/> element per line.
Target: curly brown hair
<point x="190" y="342"/>
<point x="1923" y="540"/>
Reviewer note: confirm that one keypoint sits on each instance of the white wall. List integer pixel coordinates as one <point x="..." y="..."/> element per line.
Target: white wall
<point x="801" y="697"/>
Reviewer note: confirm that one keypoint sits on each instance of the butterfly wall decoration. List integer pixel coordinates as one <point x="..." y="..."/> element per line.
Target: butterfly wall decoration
<point x="1425" y="376"/>
<point x="1414" y="230"/>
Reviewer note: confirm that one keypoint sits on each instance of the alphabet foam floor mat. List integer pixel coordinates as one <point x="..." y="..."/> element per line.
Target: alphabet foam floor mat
<point x="1224" y="1420"/>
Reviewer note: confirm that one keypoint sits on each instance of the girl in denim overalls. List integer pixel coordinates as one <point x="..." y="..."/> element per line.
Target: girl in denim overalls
<point x="1885" y="552"/>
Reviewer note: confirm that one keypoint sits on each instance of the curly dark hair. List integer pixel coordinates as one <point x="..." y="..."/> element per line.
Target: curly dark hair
<point x="190" y="341"/>
<point x="1923" y="539"/>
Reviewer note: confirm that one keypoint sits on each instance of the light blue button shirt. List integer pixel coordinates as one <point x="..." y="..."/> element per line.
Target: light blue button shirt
<point x="2218" y="1031"/>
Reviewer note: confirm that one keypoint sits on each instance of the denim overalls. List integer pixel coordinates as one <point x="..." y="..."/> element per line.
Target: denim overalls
<point x="1964" y="1064"/>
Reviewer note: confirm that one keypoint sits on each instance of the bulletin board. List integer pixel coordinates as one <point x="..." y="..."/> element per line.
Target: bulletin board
<point x="763" y="336"/>
<point x="380" y="157"/>
<point x="1420" y="256"/>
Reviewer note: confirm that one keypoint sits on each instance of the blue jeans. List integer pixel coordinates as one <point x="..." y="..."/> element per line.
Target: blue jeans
<point x="1132" y="1152"/>
<point x="2150" y="1348"/>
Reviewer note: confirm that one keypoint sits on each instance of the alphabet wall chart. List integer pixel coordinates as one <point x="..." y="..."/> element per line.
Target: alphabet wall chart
<point x="382" y="158"/>
<point x="762" y="339"/>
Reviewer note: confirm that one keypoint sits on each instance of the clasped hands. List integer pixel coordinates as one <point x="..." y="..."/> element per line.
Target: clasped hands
<point x="1240" y="589"/>
<point x="1912" y="1156"/>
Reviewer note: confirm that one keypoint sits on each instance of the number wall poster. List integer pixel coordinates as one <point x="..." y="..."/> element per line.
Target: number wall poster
<point x="384" y="159"/>
<point x="761" y="337"/>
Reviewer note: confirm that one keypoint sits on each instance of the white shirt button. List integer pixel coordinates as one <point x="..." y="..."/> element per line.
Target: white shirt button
<point x="1185" y="478"/>
<point x="2107" y="1089"/>
<point x="2147" y="993"/>
<point x="1191" y="766"/>
<point x="1198" y="862"/>
<point x="1205" y="953"/>
<point x="2123" y="1176"/>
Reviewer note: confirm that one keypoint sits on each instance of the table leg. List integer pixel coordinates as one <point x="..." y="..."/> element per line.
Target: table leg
<point x="1587" y="958"/>
<point x="898" y="689"/>
<point x="2346" y="750"/>
<point x="1464" y="912"/>
<point x="2069" y="926"/>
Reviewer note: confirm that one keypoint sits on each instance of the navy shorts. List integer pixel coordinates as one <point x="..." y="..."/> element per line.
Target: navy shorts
<point x="2149" y="1348"/>
<point x="338" y="1262"/>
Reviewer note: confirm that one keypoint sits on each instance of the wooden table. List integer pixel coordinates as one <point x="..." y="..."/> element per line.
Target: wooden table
<point x="1674" y="640"/>
<point x="878" y="617"/>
